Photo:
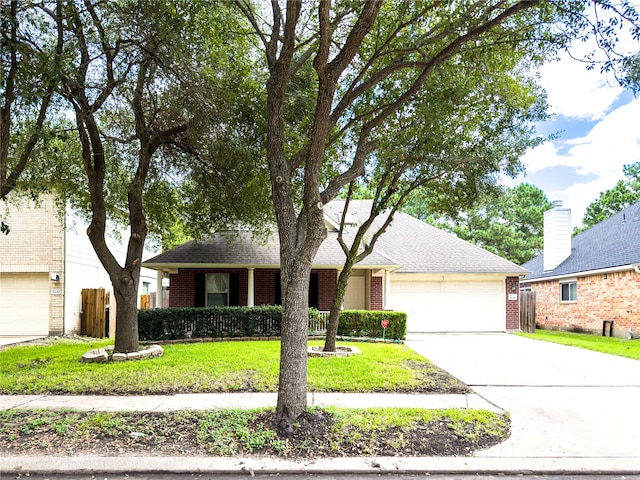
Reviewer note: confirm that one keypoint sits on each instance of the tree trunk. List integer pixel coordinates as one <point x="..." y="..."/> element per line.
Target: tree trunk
<point x="126" y="294"/>
<point x="334" y="313"/>
<point x="292" y="386"/>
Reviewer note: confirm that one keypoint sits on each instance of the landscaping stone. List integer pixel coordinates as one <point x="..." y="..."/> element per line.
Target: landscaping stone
<point x="340" y="352"/>
<point x="99" y="355"/>
<point x="119" y="357"/>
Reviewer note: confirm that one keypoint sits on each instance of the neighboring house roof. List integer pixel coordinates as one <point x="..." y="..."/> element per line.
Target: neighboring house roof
<point x="408" y="246"/>
<point x="614" y="242"/>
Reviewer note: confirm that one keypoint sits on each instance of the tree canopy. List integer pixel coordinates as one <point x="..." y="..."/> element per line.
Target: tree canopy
<point x="365" y="62"/>
<point x="625" y="193"/>
<point x="506" y="222"/>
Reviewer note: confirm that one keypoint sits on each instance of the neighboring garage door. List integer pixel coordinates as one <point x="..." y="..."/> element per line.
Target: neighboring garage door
<point x="24" y="304"/>
<point x="451" y="306"/>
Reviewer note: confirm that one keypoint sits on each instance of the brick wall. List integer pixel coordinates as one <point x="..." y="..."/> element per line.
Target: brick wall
<point x="512" y="286"/>
<point x="327" y="280"/>
<point x="376" y="300"/>
<point x="183" y="285"/>
<point x="614" y="296"/>
<point x="264" y="286"/>
<point x="182" y="293"/>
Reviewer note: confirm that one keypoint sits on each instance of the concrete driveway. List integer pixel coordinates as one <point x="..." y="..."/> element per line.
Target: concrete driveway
<point x="563" y="401"/>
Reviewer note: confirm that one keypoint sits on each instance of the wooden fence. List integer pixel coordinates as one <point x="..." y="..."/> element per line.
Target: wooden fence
<point x="93" y="318"/>
<point x="528" y="311"/>
<point x="145" y="301"/>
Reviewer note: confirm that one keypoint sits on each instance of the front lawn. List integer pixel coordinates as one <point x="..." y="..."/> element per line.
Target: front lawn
<point x="611" y="345"/>
<point x="214" y="367"/>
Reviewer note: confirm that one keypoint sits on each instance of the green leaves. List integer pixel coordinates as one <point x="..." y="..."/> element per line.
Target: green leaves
<point x="625" y="193"/>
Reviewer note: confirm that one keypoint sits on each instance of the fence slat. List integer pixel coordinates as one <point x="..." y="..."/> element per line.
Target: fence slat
<point x="528" y="311"/>
<point x="93" y="318"/>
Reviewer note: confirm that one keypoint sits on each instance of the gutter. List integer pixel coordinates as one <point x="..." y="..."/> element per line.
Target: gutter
<point x="586" y="273"/>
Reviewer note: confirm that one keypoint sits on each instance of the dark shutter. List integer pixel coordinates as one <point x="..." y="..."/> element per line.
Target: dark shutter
<point x="314" y="293"/>
<point x="234" y="289"/>
<point x="277" y="296"/>
<point x="200" y="299"/>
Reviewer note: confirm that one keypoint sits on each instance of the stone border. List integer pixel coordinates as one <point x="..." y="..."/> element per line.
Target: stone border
<point x="103" y="355"/>
<point x="340" y="352"/>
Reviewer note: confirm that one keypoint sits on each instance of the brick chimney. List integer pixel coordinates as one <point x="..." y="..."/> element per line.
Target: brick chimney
<point x="557" y="235"/>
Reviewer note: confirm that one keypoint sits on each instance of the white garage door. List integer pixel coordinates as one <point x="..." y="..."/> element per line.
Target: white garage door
<point x="451" y="306"/>
<point x="24" y="304"/>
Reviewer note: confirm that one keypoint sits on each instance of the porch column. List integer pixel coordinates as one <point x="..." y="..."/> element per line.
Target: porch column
<point x="250" y="293"/>
<point x="386" y="295"/>
<point x="159" y="276"/>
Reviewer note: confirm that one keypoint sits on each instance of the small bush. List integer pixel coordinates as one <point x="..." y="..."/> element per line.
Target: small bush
<point x="368" y="323"/>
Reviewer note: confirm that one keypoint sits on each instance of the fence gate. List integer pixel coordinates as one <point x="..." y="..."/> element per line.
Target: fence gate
<point x="93" y="319"/>
<point x="528" y="311"/>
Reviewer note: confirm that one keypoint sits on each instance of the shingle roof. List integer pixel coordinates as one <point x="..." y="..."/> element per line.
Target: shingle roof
<point x="408" y="244"/>
<point x="614" y="242"/>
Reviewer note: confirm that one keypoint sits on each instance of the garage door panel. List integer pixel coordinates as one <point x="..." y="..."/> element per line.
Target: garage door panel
<point x="24" y="304"/>
<point x="451" y="306"/>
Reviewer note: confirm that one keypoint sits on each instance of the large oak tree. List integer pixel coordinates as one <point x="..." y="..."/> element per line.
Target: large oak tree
<point x="370" y="59"/>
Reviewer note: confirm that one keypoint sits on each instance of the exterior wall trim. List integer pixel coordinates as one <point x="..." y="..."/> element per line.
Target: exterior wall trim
<point x="586" y="273"/>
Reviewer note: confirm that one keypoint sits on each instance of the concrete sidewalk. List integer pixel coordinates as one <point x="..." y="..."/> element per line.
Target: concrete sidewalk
<point x="208" y="401"/>
<point x="510" y="461"/>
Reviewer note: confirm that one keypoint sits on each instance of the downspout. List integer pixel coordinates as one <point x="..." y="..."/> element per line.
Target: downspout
<point x="64" y="272"/>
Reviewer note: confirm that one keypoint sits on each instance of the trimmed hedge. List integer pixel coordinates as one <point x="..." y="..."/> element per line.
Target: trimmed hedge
<point x="368" y="323"/>
<point x="223" y="322"/>
<point x="217" y="322"/>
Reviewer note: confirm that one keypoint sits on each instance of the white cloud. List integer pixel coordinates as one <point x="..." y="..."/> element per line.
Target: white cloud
<point x="575" y="92"/>
<point x="612" y="143"/>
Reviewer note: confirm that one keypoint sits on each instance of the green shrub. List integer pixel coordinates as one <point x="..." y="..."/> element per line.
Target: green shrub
<point x="217" y="322"/>
<point x="368" y="323"/>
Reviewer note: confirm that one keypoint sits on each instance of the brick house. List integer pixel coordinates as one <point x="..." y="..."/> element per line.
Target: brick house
<point x="442" y="282"/>
<point x="45" y="262"/>
<point x="594" y="277"/>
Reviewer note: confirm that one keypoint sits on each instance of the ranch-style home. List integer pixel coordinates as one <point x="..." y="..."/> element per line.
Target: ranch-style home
<point x="585" y="282"/>
<point x="46" y="261"/>
<point x="443" y="283"/>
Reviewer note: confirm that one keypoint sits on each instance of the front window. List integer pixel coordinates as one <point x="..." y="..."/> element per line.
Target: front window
<point x="569" y="291"/>
<point x="217" y="289"/>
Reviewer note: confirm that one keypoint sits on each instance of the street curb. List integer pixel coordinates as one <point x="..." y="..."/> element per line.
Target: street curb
<point x="350" y="465"/>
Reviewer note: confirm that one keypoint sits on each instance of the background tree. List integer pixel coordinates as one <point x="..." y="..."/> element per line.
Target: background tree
<point x="625" y="193"/>
<point x="507" y="222"/>
<point x="29" y="60"/>
<point x="147" y="95"/>
<point x="370" y="59"/>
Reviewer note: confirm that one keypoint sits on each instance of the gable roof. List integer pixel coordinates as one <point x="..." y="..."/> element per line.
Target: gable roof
<point x="614" y="242"/>
<point x="408" y="246"/>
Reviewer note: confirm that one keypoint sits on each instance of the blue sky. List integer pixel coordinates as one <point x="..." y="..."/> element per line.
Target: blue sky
<point x="599" y="131"/>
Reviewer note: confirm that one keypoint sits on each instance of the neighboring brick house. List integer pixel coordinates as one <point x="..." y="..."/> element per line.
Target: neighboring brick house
<point x="594" y="277"/>
<point x="45" y="262"/>
<point x="442" y="282"/>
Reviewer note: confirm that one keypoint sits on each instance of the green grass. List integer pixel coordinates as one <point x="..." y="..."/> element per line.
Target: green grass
<point x="318" y="432"/>
<point x="610" y="345"/>
<point x="210" y="367"/>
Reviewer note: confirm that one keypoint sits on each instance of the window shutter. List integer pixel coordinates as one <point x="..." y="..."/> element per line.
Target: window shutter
<point x="200" y="299"/>
<point x="277" y="300"/>
<point x="234" y="289"/>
